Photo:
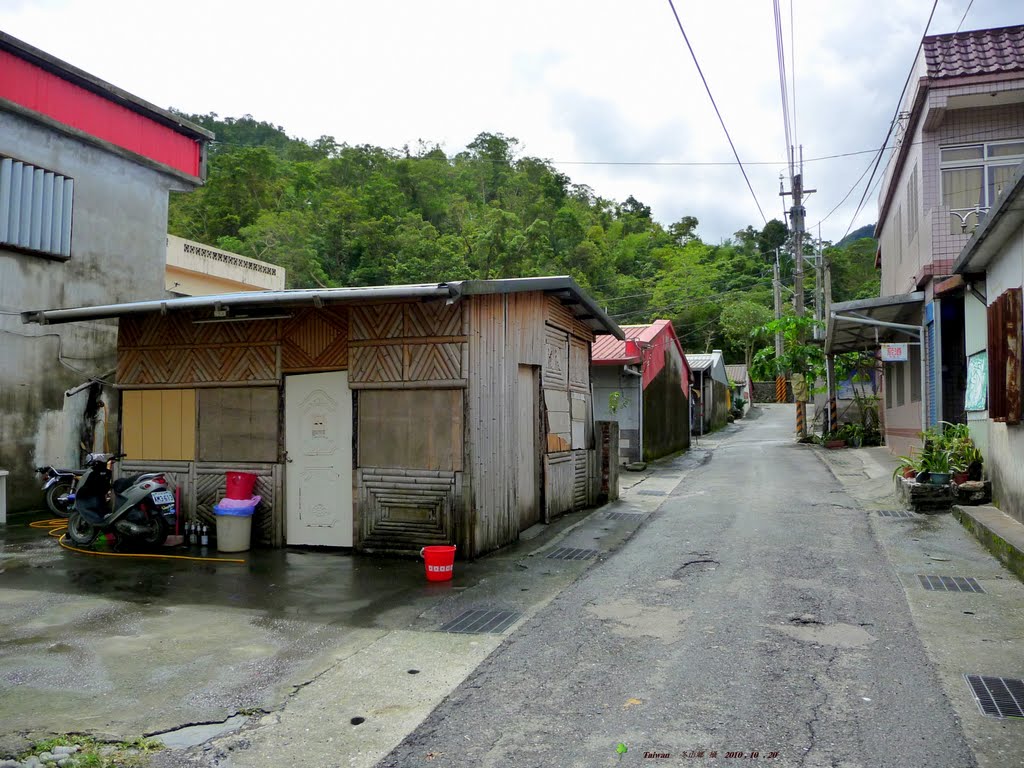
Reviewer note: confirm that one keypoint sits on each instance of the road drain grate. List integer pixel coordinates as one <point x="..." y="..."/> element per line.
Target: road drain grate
<point x="480" y="621"/>
<point x="950" y="583"/>
<point x="651" y="493"/>
<point x="624" y="516"/>
<point x="997" y="696"/>
<point x="572" y="553"/>
<point x="895" y="513"/>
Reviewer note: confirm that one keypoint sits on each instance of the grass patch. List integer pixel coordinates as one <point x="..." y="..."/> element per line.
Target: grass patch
<point x="92" y="753"/>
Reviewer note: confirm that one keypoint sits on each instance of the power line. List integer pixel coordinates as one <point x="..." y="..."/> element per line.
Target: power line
<point x="964" y="16"/>
<point x="780" y="56"/>
<point x="892" y="123"/>
<point x="720" y="120"/>
<point x="792" y="58"/>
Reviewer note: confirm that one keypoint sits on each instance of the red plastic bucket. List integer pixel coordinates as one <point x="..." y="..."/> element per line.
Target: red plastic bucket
<point x="439" y="561"/>
<point x="240" y="485"/>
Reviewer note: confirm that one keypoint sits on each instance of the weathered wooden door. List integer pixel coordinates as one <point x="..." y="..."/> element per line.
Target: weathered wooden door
<point x="527" y="468"/>
<point x="318" y="475"/>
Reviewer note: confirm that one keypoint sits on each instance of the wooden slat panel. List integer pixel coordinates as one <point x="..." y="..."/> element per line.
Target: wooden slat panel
<point x="580" y="479"/>
<point x="556" y="358"/>
<point x="131" y="424"/>
<point x="579" y="365"/>
<point x="582" y="331"/>
<point x="558" y="314"/>
<point x="427" y="362"/>
<point x="558" y="485"/>
<point x="1012" y="335"/>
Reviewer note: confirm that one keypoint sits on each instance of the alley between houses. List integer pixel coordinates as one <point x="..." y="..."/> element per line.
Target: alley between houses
<point x="761" y="609"/>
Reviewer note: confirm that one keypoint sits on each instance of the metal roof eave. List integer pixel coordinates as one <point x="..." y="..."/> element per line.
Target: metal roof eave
<point x="852" y="317"/>
<point x="583" y="306"/>
<point x="594" y="317"/>
<point x="242" y="299"/>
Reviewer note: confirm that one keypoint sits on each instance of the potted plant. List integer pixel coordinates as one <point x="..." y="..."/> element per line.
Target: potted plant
<point x="936" y="463"/>
<point x="834" y="440"/>
<point x="908" y="466"/>
<point x="854" y="434"/>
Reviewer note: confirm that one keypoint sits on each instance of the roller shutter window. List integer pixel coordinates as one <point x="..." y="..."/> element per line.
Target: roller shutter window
<point x="35" y="208"/>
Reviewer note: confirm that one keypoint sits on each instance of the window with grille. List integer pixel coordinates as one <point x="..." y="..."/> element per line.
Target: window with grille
<point x="1004" y="357"/>
<point x="973" y="177"/>
<point x="35" y="208"/>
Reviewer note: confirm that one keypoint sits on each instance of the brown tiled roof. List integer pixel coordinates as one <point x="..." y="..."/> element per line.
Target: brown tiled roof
<point x="980" y="52"/>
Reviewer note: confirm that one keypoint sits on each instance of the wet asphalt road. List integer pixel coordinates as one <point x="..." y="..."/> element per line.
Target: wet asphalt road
<point x="753" y="612"/>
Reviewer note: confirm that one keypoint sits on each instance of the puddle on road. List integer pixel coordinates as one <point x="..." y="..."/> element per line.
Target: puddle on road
<point x="632" y="619"/>
<point x="194" y="735"/>
<point x="838" y="635"/>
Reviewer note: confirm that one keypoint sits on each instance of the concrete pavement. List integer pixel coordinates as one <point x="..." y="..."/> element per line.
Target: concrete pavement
<point x="762" y="608"/>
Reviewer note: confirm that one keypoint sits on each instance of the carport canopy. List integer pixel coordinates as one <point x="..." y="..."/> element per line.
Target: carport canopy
<point x="859" y="325"/>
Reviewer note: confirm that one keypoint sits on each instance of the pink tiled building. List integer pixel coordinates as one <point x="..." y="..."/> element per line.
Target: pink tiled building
<point x="958" y="141"/>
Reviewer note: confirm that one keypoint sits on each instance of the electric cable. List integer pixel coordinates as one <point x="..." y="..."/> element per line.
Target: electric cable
<point x="892" y="123"/>
<point x="964" y="16"/>
<point x="713" y="104"/>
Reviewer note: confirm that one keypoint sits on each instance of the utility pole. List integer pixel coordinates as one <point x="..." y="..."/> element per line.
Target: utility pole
<point x="780" y="381"/>
<point x="797" y="215"/>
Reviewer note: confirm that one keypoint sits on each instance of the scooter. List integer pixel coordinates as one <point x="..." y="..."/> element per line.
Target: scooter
<point x="138" y="507"/>
<point x="59" y="488"/>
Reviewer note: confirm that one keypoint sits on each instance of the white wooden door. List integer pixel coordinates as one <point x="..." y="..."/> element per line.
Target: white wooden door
<point x="527" y="470"/>
<point x="318" y="475"/>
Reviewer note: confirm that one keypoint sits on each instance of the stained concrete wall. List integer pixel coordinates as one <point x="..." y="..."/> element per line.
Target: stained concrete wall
<point x="666" y="411"/>
<point x="1004" y="458"/>
<point x="118" y="245"/>
<point x="606" y="380"/>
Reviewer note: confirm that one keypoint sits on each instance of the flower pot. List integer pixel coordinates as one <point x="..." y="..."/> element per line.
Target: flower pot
<point x="960" y="478"/>
<point x="938" y="478"/>
<point x="909" y="472"/>
<point x="835" y="444"/>
<point x="856" y="442"/>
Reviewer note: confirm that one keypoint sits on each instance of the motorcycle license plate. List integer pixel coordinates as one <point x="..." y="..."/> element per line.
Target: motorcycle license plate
<point x="163" y="497"/>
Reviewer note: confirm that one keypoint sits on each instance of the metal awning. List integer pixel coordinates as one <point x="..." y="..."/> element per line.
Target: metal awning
<point x="859" y="325"/>
<point x="253" y="304"/>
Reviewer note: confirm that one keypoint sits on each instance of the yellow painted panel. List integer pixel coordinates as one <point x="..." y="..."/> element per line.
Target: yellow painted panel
<point x="188" y="424"/>
<point x="152" y="423"/>
<point x="170" y="422"/>
<point x="131" y="423"/>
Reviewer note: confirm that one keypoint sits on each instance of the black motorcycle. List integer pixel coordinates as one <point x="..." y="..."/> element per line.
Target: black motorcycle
<point x="59" y="488"/>
<point x="138" y="507"/>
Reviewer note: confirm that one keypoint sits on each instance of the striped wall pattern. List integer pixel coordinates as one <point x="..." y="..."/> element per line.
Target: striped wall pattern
<point x="402" y="509"/>
<point x="315" y="340"/>
<point x="35" y="208"/>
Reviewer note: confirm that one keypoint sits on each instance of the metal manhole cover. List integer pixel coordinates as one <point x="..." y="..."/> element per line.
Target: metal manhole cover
<point x="624" y="515"/>
<point x="480" y="621"/>
<point x="573" y="553"/>
<point x="651" y="493"/>
<point x="997" y="696"/>
<point x="895" y="513"/>
<point x="950" y="583"/>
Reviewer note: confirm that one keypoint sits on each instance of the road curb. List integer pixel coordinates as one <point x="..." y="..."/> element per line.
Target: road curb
<point x="999" y="533"/>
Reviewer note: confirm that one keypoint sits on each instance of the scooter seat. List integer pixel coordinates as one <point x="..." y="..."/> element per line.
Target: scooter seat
<point x="123" y="483"/>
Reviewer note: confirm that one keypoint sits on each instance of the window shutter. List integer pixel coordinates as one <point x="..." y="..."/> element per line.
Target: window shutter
<point x="35" y="208"/>
<point x="1004" y="357"/>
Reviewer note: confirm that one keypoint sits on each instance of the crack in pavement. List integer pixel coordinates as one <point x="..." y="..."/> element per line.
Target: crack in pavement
<point x="816" y="711"/>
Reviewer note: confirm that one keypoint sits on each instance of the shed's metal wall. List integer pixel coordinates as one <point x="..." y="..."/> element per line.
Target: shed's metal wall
<point x="506" y="331"/>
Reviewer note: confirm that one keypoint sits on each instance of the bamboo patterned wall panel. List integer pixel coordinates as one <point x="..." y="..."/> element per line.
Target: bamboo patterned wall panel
<point x="172" y="350"/>
<point x="315" y="340"/>
<point x="406" y="343"/>
<point x="405" y="509"/>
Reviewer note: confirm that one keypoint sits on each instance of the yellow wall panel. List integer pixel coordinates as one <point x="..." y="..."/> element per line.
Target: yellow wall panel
<point x="188" y="424"/>
<point x="131" y="423"/>
<point x="159" y="424"/>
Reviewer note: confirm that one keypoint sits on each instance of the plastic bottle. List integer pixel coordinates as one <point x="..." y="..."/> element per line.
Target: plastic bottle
<point x="194" y="536"/>
<point x="188" y="532"/>
<point x="205" y="539"/>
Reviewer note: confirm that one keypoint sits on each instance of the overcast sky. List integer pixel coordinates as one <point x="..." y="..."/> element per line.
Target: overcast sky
<point x="583" y="83"/>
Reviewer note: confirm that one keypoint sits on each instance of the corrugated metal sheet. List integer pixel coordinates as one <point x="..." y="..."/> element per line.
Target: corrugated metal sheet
<point x="35" y="208"/>
<point x="41" y="91"/>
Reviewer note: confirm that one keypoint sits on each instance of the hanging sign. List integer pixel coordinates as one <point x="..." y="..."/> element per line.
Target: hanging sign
<point x="895" y="353"/>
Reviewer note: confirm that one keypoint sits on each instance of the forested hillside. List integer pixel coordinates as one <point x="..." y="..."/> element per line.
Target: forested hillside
<point x="337" y="215"/>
